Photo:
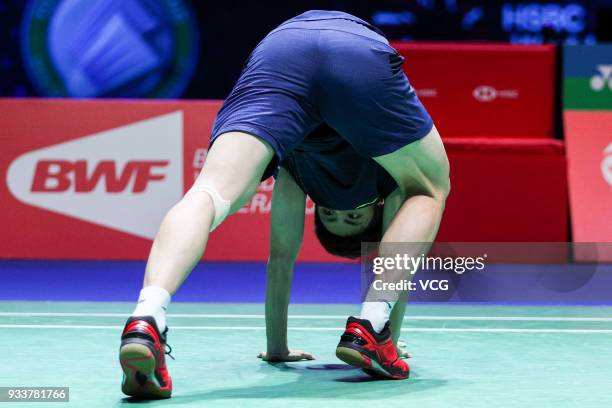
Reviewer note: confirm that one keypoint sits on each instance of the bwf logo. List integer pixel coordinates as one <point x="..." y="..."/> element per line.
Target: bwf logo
<point x="124" y="178"/>
<point x="64" y="175"/>
<point x="602" y="78"/>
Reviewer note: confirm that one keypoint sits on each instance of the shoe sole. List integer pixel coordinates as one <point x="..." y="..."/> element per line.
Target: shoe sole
<point x="138" y="364"/>
<point x="368" y="365"/>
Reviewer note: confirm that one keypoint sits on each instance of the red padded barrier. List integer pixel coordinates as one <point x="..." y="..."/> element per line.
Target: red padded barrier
<point x="484" y="90"/>
<point x="506" y="190"/>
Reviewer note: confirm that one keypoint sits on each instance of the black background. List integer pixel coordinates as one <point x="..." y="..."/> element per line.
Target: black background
<point x="229" y="29"/>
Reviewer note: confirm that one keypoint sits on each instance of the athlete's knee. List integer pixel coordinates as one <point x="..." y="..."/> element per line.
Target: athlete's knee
<point x="221" y="205"/>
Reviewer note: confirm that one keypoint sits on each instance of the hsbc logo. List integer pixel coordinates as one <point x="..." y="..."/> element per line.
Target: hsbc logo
<point x="124" y="178"/>
<point x="486" y="93"/>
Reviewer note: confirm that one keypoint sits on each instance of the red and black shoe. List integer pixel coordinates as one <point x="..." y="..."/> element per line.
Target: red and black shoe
<point x="375" y="353"/>
<point x="142" y="357"/>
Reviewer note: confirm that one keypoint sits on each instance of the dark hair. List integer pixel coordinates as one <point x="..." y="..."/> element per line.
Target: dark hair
<point x="350" y="246"/>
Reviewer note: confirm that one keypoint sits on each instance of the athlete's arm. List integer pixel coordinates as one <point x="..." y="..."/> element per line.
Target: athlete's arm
<point x="286" y="233"/>
<point x="421" y="171"/>
<point x="393" y="203"/>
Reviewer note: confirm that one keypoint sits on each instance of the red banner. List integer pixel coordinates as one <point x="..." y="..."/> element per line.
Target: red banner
<point x="484" y="90"/>
<point x="589" y="149"/>
<point x="93" y="180"/>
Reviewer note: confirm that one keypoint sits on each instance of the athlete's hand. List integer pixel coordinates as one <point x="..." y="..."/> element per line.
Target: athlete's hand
<point x="402" y="349"/>
<point x="292" y="355"/>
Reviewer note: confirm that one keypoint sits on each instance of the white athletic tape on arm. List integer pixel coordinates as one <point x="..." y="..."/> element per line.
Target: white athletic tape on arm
<point x="222" y="206"/>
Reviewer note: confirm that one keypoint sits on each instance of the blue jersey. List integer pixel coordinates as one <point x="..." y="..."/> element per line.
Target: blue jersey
<point x="327" y="92"/>
<point x="334" y="175"/>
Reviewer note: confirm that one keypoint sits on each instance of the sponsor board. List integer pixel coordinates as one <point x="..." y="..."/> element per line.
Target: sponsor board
<point x="588" y="131"/>
<point x="124" y="178"/>
<point x="484" y="90"/>
<point x="587" y="82"/>
<point x="93" y="179"/>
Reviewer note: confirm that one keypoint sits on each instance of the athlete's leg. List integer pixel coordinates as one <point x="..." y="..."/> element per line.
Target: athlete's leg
<point x="368" y="99"/>
<point x="232" y="171"/>
<point x="268" y="112"/>
<point x="233" y="167"/>
<point x="397" y="316"/>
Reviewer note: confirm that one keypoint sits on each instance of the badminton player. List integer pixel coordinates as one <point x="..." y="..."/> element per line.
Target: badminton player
<point x="322" y="104"/>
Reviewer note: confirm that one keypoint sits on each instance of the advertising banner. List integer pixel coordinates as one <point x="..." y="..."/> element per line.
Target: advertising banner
<point x="93" y="180"/>
<point x="588" y="132"/>
<point x="484" y="90"/>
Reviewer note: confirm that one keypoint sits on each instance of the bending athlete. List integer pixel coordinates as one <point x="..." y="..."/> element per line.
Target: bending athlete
<point x="323" y="104"/>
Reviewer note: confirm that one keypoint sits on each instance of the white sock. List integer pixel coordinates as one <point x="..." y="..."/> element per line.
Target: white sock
<point x="153" y="301"/>
<point x="377" y="313"/>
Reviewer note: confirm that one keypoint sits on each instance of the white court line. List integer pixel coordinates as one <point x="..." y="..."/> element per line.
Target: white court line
<point x="321" y="317"/>
<point x="234" y="328"/>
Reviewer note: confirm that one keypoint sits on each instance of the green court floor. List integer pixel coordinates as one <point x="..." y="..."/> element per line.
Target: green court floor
<point x="463" y="356"/>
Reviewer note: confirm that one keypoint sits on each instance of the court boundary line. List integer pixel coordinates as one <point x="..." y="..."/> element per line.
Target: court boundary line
<point x="316" y="317"/>
<point x="297" y="328"/>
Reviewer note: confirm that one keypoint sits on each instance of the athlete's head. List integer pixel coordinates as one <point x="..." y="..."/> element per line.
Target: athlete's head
<point x="342" y="232"/>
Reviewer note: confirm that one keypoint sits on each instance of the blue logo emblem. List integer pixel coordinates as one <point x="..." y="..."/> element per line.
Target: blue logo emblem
<point x="110" y="48"/>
